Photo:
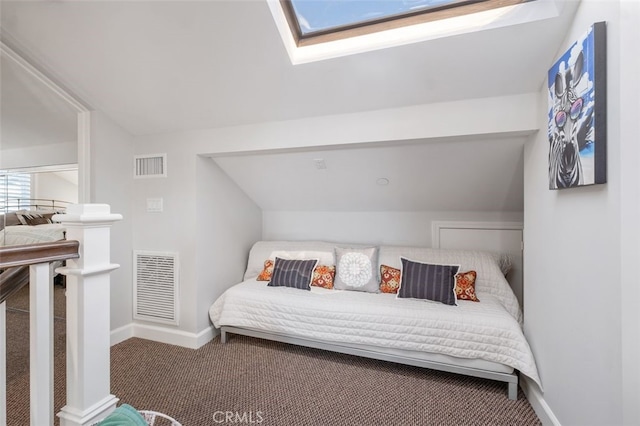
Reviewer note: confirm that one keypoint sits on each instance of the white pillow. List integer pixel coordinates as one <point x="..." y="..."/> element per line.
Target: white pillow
<point x="324" y="257"/>
<point x="357" y="269"/>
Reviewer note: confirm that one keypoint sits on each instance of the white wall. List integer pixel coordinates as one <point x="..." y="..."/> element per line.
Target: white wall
<point x="629" y="125"/>
<point x="206" y="219"/>
<point x="395" y="228"/>
<point x="505" y="116"/>
<point x="52" y="186"/>
<point x="111" y="183"/>
<point x="175" y="229"/>
<point x="577" y="263"/>
<point x="228" y="223"/>
<point x="42" y="155"/>
<point x="185" y="222"/>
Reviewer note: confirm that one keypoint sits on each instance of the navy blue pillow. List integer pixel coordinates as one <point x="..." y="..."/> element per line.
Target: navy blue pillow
<point x="426" y="281"/>
<point x="292" y="273"/>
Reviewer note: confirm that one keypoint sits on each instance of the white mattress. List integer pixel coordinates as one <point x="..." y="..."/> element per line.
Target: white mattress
<point x="24" y="234"/>
<point x="473" y="331"/>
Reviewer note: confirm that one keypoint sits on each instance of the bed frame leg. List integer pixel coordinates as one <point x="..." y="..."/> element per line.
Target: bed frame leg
<point x="223" y="336"/>
<point x="513" y="390"/>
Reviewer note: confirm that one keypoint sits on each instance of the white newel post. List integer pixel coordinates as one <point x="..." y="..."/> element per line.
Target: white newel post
<point x="89" y="397"/>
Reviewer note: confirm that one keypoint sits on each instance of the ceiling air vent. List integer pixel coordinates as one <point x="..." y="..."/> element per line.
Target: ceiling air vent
<point x="155" y="287"/>
<point x="150" y="165"/>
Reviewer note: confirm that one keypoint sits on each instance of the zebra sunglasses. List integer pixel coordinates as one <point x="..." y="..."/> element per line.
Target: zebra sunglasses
<point x="574" y="112"/>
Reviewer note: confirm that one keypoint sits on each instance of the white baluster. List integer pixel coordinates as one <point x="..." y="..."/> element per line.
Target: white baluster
<point x="89" y="397"/>
<point x="3" y="364"/>
<point x="41" y="343"/>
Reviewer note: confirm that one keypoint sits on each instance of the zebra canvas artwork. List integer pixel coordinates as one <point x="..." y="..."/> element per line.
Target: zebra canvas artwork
<point x="577" y="113"/>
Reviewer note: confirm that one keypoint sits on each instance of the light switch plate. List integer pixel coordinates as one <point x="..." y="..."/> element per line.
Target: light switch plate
<point x="154" y="205"/>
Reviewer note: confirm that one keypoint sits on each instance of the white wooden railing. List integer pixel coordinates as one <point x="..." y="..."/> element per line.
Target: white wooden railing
<point x="88" y="396"/>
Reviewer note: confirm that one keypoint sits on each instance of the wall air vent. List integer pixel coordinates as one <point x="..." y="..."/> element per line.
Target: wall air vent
<point x="155" y="286"/>
<point x="150" y="165"/>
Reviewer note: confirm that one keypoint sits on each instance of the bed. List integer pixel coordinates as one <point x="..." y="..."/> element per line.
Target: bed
<point x="24" y="227"/>
<point x="30" y="222"/>
<point x="32" y="226"/>
<point x="22" y="235"/>
<point x="482" y="339"/>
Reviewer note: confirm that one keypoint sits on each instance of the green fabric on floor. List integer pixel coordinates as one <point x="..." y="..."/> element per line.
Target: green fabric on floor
<point x="124" y="415"/>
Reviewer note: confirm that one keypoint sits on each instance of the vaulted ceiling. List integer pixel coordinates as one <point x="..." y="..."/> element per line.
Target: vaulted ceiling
<point x="168" y="66"/>
<point x="158" y="66"/>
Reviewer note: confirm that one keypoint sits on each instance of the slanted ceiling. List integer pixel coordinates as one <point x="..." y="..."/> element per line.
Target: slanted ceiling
<point x="166" y="66"/>
<point x="161" y="67"/>
<point x="31" y="114"/>
<point x="469" y="175"/>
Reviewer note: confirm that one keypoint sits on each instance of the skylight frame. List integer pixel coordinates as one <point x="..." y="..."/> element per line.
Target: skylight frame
<point x="464" y="7"/>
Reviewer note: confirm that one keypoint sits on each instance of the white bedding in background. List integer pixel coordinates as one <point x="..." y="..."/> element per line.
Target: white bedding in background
<point x="23" y="234"/>
<point x="471" y="330"/>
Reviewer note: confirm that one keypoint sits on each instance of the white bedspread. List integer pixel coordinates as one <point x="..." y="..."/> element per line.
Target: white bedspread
<point x="23" y="234"/>
<point x="484" y="330"/>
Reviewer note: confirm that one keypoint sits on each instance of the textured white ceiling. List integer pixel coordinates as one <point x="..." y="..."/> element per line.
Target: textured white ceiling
<point x="473" y="175"/>
<point x="156" y="66"/>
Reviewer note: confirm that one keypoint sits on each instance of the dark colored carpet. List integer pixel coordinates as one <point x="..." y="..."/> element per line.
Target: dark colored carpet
<point x="253" y="381"/>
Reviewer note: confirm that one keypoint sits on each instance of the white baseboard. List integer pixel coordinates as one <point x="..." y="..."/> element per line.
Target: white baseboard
<point x="206" y="335"/>
<point x="163" y="335"/>
<point x="121" y="334"/>
<point x="540" y="406"/>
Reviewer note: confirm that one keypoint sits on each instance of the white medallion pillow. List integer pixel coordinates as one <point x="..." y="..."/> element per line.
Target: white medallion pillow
<point x="357" y="269"/>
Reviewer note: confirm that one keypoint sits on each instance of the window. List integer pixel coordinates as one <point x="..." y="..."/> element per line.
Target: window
<point x="318" y="21"/>
<point x="15" y="191"/>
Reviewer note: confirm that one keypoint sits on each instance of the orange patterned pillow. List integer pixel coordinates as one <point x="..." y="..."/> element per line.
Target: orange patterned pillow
<point x="265" y="275"/>
<point x="389" y="279"/>
<point x="465" y="288"/>
<point x="323" y="276"/>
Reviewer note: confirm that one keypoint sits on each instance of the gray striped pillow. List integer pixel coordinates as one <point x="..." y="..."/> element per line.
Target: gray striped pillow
<point x="292" y="273"/>
<point x="425" y="281"/>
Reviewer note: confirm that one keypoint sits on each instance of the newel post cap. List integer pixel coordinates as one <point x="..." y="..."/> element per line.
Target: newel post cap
<point x="87" y="213"/>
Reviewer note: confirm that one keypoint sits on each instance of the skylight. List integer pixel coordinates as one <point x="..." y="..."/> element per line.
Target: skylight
<point x="315" y="30"/>
<point x="314" y="17"/>
<point x="319" y="21"/>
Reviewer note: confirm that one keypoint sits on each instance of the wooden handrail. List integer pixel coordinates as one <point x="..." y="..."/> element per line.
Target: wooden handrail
<point x="32" y="254"/>
<point x="12" y="280"/>
<point x="15" y="261"/>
